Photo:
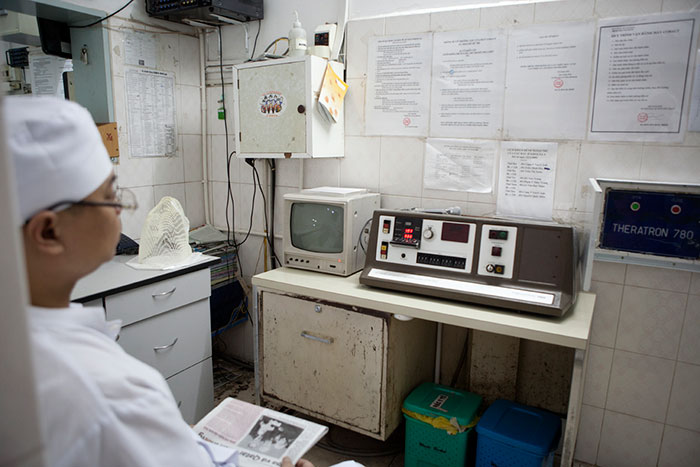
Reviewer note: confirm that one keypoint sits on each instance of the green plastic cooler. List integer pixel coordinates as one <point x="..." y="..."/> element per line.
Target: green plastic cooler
<point x="439" y="426"/>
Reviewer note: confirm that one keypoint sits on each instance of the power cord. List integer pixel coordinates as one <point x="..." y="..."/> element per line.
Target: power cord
<point x="102" y="19"/>
<point x="258" y="185"/>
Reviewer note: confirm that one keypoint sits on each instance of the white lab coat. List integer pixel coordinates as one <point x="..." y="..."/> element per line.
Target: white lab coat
<point x="100" y="406"/>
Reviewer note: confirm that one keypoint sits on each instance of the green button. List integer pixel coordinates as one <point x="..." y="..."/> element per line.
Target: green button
<point x="635" y="206"/>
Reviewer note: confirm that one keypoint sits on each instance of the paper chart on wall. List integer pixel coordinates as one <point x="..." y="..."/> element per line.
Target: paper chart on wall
<point x="467" y="84"/>
<point x="398" y="85"/>
<point x="694" y="116"/>
<point x="150" y="97"/>
<point x="548" y="81"/>
<point x="526" y="179"/>
<point x="140" y="49"/>
<point x="459" y="165"/>
<point x="47" y="74"/>
<point x="641" y="79"/>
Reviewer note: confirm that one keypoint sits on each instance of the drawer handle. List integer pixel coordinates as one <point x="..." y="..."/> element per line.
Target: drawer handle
<point x="315" y="338"/>
<point x="165" y="347"/>
<point x="164" y="294"/>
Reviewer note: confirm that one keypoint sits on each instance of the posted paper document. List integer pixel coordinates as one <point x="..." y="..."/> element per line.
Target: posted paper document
<point x="460" y="165"/>
<point x="150" y="97"/>
<point x="398" y="85"/>
<point x="526" y="179"/>
<point x="467" y="86"/>
<point x="641" y="78"/>
<point x="548" y="81"/>
<point x="694" y="117"/>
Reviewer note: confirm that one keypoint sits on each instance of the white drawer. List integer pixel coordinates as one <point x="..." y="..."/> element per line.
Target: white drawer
<point x="193" y="390"/>
<point x="171" y="341"/>
<point x="149" y="300"/>
<point x="325" y="359"/>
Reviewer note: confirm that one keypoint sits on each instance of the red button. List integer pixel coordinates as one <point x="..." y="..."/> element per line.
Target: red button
<point x="675" y="209"/>
<point x="496" y="251"/>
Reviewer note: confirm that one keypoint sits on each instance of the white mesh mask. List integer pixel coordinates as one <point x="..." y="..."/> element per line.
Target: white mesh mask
<point x="165" y="235"/>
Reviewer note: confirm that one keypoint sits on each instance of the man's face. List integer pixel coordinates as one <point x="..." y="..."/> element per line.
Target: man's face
<point x="93" y="231"/>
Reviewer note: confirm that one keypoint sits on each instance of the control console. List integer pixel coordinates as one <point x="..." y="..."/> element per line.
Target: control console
<point x="524" y="266"/>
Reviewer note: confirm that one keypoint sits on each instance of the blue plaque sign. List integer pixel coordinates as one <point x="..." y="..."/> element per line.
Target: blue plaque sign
<point x="655" y="223"/>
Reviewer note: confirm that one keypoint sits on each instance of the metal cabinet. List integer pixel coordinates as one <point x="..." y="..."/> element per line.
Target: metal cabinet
<point x="345" y="365"/>
<point x="277" y="112"/>
<point x="166" y="324"/>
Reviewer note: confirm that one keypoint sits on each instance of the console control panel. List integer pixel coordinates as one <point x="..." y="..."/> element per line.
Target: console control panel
<point x="525" y="266"/>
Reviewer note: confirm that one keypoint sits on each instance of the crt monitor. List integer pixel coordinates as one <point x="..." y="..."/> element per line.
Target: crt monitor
<point x="323" y="226"/>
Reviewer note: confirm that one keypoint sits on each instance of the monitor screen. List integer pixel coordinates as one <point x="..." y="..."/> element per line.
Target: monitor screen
<point x="317" y="227"/>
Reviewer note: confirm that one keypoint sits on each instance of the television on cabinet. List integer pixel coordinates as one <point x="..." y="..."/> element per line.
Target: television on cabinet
<point x="323" y="227"/>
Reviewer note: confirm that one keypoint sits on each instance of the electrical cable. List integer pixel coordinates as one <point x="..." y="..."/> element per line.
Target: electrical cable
<point x="230" y="226"/>
<point x="462" y="359"/>
<point x="273" y="184"/>
<point x="255" y="43"/>
<point x="273" y="256"/>
<point x="359" y="238"/>
<point x="106" y="17"/>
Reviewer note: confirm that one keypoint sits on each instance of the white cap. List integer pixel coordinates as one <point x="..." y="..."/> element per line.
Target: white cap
<point x="57" y="151"/>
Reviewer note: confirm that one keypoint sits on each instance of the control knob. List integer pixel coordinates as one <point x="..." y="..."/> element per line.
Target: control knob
<point x="428" y="233"/>
<point x="489" y="268"/>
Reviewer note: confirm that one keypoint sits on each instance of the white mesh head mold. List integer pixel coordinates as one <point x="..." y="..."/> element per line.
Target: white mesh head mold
<point x="165" y="235"/>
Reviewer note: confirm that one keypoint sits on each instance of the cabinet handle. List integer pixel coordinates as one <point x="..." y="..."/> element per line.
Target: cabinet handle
<point x="314" y="338"/>
<point x="165" y="347"/>
<point x="164" y="294"/>
<point x="179" y="404"/>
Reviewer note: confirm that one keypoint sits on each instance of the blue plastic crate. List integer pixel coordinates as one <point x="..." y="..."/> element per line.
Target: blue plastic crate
<point x="515" y="435"/>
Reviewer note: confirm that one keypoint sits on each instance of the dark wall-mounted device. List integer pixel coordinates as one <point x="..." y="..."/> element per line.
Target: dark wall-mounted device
<point x="523" y="266"/>
<point x="212" y="12"/>
<point x="55" y="37"/>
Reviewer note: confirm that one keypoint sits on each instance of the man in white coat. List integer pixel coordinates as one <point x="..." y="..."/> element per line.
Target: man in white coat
<point x="98" y="405"/>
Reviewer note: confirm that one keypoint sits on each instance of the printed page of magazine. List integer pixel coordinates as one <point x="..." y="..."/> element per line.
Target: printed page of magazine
<point x="261" y="436"/>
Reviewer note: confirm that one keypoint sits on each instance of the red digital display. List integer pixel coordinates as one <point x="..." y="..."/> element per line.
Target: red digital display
<point x="455" y="232"/>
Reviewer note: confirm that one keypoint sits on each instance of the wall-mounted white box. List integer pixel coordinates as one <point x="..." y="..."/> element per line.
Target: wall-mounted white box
<point x="276" y="110"/>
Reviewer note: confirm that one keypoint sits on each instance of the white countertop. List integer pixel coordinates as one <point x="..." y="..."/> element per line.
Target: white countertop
<point x="115" y="276"/>
<point x="572" y="330"/>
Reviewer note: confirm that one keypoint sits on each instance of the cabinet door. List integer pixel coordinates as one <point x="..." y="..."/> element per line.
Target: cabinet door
<point x="329" y="362"/>
<point x="193" y="390"/>
<point x="269" y="98"/>
<point x="171" y="341"/>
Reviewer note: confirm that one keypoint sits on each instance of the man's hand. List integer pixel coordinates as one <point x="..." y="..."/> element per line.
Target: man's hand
<point x="287" y="462"/>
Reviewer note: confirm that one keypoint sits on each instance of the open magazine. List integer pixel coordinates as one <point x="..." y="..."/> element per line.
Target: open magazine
<point x="261" y="436"/>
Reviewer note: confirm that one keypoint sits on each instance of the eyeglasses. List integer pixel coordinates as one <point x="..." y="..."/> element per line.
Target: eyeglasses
<point x="123" y="199"/>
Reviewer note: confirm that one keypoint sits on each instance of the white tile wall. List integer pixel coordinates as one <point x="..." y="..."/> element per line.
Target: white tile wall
<point x="658" y="278"/>
<point x="401" y="170"/>
<point x="689" y="350"/>
<point x="360" y="166"/>
<point x="606" y="313"/>
<point x="612" y="8"/>
<point x="636" y="393"/>
<point x="679" y="448"/>
<point x="495" y="17"/>
<point x="407" y="24"/>
<point x="609" y="272"/>
<point x="176" y="190"/>
<point x="589" y="434"/>
<point x="597" y="376"/>
<point x="628" y="441"/>
<point x="459" y="20"/>
<point x="194" y="197"/>
<point x="684" y="408"/>
<point x="566" y="10"/>
<point x="651" y="321"/>
<point x="153" y="178"/>
<point x="640" y="385"/>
